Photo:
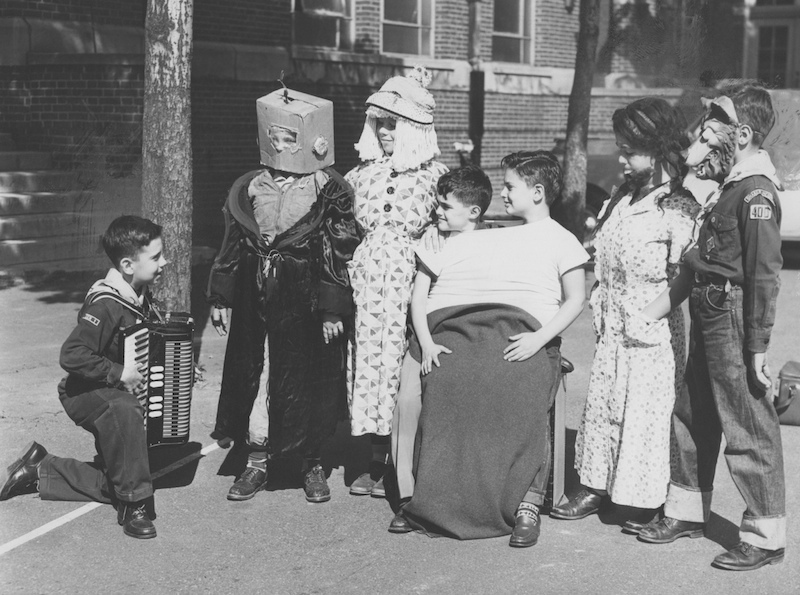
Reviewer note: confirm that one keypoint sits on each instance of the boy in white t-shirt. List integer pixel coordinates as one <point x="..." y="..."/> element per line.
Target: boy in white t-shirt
<point x="536" y="267"/>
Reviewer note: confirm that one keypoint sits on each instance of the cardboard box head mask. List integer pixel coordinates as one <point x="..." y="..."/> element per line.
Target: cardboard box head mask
<point x="295" y="131"/>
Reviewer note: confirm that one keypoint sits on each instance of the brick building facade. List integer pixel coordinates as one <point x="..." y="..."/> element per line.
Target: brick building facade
<point x="71" y="73"/>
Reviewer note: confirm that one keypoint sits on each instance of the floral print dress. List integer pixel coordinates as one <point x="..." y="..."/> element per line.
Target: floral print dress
<point x="623" y="443"/>
<point x="392" y="210"/>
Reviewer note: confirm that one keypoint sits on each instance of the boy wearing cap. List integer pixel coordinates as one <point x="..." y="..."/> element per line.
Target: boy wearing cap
<point x="282" y="268"/>
<point x="736" y="263"/>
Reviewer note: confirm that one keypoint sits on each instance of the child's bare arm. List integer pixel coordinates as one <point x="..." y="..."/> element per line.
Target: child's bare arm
<point x="526" y="345"/>
<point x="419" y="318"/>
<point x="677" y="290"/>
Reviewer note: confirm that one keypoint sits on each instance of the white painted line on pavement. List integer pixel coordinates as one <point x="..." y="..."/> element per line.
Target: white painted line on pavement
<point x="86" y="508"/>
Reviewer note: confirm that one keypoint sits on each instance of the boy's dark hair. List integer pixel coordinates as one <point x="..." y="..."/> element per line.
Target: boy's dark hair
<point x="127" y="235"/>
<point x="469" y="185"/>
<point x="537" y="167"/>
<point x="753" y="107"/>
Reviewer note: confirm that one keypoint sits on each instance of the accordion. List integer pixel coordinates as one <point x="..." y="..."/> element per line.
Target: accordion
<point x="164" y="354"/>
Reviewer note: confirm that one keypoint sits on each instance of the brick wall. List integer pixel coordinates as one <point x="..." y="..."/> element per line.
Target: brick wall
<point x="110" y="12"/>
<point x="256" y="22"/>
<point x="368" y="26"/>
<point x="452" y="29"/>
<point x="556" y="34"/>
<point x="86" y="115"/>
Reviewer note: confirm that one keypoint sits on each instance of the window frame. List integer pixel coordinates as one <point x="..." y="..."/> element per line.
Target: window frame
<point x="526" y="57"/>
<point x="345" y="28"/>
<point x="418" y="27"/>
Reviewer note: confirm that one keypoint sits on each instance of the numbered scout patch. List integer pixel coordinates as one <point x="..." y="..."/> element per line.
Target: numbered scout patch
<point x="761" y="212"/>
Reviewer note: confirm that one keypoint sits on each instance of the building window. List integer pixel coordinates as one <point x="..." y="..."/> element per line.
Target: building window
<point x="511" y="37"/>
<point x="407" y="27"/>
<point x="323" y="23"/>
<point x="773" y="54"/>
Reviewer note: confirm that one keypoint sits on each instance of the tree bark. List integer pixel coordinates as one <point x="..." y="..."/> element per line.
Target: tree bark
<point x="570" y="212"/>
<point x="167" y="142"/>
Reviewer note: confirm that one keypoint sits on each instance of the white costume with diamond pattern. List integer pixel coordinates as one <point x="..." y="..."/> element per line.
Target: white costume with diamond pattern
<point x="392" y="209"/>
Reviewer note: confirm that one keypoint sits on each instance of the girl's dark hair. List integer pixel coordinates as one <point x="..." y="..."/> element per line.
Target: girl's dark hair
<point x="127" y="235"/>
<point x="653" y="126"/>
<point x="537" y="167"/>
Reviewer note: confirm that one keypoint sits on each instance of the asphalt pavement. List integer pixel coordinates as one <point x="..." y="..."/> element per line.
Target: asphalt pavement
<point x="278" y="543"/>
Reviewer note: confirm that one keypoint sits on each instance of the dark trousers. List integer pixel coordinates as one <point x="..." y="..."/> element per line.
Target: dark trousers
<point x="115" y="418"/>
<point x="721" y="398"/>
<point x="538" y="488"/>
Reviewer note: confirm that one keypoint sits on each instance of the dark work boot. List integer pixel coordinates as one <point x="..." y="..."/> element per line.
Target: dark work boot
<point x="134" y="520"/>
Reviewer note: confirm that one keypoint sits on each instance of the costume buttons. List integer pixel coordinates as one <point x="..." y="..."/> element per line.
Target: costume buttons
<point x="713" y="220"/>
<point x="390" y="190"/>
<point x="387" y="207"/>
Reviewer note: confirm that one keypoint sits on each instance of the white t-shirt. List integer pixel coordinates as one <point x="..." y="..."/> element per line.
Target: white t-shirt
<point x="520" y="266"/>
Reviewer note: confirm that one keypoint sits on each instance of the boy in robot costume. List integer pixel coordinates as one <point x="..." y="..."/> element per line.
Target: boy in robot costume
<point x="282" y="268"/>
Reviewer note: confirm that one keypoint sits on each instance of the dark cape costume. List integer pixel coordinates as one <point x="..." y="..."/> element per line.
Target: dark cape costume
<point x="307" y="277"/>
<point x="483" y="429"/>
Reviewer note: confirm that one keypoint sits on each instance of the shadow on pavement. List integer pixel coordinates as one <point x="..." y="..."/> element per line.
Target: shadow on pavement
<point x="164" y="457"/>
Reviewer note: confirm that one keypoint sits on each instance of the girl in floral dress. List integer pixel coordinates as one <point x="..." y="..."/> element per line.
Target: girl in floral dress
<point x="622" y="450"/>
<point x="395" y="197"/>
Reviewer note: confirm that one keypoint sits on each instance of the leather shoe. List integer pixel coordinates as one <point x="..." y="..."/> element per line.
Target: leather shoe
<point x="250" y="481"/>
<point x="527" y="526"/>
<point x="400" y="523"/>
<point x="668" y="530"/>
<point x="746" y="556"/>
<point x="378" y="490"/>
<point x="21" y="475"/>
<point x="363" y="485"/>
<point x="134" y="520"/>
<point x="635" y="524"/>
<point x="579" y="506"/>
<point x="316" y="486"/>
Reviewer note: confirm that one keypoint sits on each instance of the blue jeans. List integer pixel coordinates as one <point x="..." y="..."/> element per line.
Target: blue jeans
<point x="116" y="419"/>
<point x="720" y="397"/>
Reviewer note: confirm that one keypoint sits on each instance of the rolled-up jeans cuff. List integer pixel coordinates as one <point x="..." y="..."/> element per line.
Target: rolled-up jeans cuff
<point x="687" y="504"/>
<point x="768" y="533"/>
<point x="534" y="497"/>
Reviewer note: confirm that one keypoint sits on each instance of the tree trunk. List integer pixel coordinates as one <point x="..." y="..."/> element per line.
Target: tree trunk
<point x="167" y="142"/>
<point x="570" y="213"/>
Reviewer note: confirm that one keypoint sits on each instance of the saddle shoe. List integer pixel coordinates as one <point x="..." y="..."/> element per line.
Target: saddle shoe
<point x="579" y="506"/>
<point x="134" y="520"/>
<point x="21" y="475"/>
<point x="746" y="556"/>
<point x="316" y="486"/>
<point x="668" y="530"/>
<point x="250" y="481"/>
<point x="527" y="526"/>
